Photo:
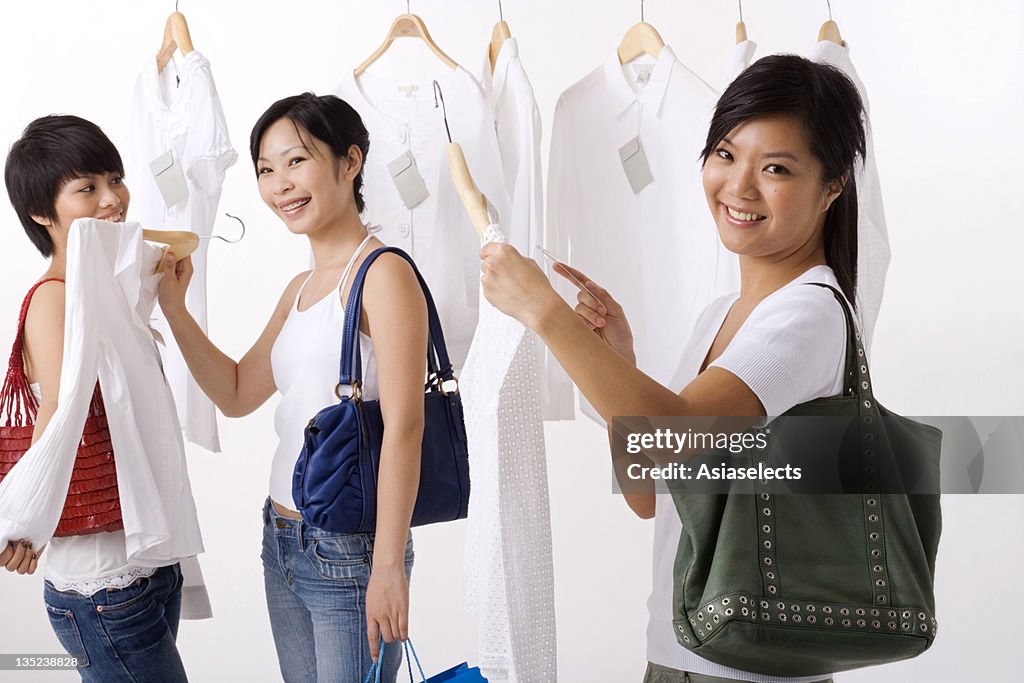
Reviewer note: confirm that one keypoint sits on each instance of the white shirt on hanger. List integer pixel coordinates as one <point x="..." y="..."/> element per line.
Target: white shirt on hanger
<point x="178" y="110"/>
<point x="656" y="251"/>
<point x="437" y="232"/>
<point x="518" y="125"/>
<point x="109" y="293"/>
<point x="873" y="252"/>
<point x="791" y="349"/>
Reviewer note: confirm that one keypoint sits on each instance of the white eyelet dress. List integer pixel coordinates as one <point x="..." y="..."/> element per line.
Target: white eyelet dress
<point x="306" y="360"/>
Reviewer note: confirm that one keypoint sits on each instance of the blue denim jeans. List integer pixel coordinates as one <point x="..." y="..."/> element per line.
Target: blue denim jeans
<point x="316" y="595"/>
<point x="122" y="635"/>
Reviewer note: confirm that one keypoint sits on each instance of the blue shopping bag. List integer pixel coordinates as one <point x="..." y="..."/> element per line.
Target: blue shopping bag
<point x="457" y="674"/>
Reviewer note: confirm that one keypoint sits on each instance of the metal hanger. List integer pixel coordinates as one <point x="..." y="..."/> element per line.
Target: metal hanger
<point x="438" y="94"/>
<point x="225" y="239"/>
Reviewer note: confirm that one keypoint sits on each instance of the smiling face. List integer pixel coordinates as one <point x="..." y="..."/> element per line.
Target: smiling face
<point x="765" y="189"/>
<point x="104" y="196"/>
<point x="301" y="181"/>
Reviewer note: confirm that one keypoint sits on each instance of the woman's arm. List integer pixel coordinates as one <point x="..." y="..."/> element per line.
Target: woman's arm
<point x="396" y="316"/>
<point x="237" y="388"/>
<point x="615" y="387"/>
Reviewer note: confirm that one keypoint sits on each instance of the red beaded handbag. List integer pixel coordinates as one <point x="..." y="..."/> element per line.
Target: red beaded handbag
<point x="92" y="503"/>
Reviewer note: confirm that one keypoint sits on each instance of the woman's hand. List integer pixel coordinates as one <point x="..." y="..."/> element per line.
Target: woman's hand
<point x="19" y="557"/>
<point x="602" y="313"/>
<point x="515" y="285"/>
<point x="174" y="284"/>
<point x="387" y="607"/>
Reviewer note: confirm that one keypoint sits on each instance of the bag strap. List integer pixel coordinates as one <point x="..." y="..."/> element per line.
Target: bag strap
<point x="857" y="380"/>
<point x="373" y="675"/>
<point x="18" y="405"/>
<point x="351" y="372"/>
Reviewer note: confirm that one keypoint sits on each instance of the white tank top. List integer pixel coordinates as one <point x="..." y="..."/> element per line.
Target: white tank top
<point x="305" y="360"/>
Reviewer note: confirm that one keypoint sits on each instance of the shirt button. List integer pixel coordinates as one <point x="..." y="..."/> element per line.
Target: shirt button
<point x="403" y="229"/>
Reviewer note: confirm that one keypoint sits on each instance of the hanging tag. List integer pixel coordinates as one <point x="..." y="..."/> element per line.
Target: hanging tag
<point x="408" y="180"/>
<point x="643" y="73"/>
<point x="634" y="163"/>
<point x="170" y="179"/>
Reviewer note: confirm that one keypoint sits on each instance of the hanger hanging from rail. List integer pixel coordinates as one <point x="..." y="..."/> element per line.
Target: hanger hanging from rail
<point x="176" y="37"/>
<point x="225" y="239"/>
<point x="499" y="34"/>
<point x="741" y="28"/>
<point x="639" y="40"/>
<point x="406" y="25"/>
<point x="830" y="29"/>
<point x="479" y="209"/>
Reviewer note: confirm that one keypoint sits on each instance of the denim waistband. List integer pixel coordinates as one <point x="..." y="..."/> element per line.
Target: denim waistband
<point x="300" y="530"/>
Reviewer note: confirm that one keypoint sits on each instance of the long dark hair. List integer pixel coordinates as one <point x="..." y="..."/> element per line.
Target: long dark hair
<point x="827" y="104"/>
<point x="327" y="118"/>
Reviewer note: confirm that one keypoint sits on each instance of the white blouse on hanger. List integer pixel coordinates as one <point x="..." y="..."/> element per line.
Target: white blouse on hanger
<point x="437" y="232"/>
<point x="656" y="251"/>
<point x="178" y="110"/>
<point x="873" y="252"/>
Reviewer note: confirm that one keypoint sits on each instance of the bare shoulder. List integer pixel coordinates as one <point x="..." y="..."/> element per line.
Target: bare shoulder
<point x="46" y="309"/>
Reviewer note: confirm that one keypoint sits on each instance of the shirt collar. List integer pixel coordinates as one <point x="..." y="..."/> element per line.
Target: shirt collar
<point x="509" y="51"/>
<point x="652" y="95"/>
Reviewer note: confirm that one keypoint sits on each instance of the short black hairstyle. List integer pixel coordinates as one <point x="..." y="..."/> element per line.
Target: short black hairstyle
<point x="325" y="117"/>
<point x="51" y="151"/>
<point x="827" y="104"/>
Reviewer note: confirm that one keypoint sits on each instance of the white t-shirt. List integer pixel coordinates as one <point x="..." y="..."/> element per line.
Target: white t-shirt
<point x="790" y="350"/>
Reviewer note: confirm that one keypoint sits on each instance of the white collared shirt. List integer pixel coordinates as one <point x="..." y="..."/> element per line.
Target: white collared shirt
<point x="438" y="233"/>
<point x="657" y="252"/>
<point x="518" y="125"/>
<point x="873" y="252"/>
<point x="110" y="290"/>
<point x="178" y="111"/>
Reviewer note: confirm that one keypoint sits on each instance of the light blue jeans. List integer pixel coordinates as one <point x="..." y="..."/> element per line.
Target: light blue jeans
<point x="316" y="595"/>
<point x="122" y="635"/>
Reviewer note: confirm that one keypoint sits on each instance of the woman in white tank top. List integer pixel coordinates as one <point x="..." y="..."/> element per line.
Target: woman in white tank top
<point x="331" y="597"/>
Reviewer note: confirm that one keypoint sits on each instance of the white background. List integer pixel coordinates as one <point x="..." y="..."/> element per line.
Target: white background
<point x="945" y="83"/>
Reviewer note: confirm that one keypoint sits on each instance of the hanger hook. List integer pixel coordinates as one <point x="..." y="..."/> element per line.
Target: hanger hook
<point x="827" y="2"/>
<point x="741" y="10"/>
<point x="175" y="6"/>
<point x="501" y="14"/>
<point x="225" y="239"/>
<point x="444" y="111"/>
<point x="641" y="11"/>
<point x="407" y="10"/>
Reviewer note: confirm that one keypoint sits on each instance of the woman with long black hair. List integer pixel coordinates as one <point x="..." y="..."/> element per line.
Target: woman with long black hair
<point x="778" y="173"/>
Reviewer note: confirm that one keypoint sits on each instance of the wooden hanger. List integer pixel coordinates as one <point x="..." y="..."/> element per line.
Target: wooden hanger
<point x="406" y="26"/>
<point x="499" y="35"/>
<point x="639" y="40"/>
<point x="474" y="200"/>
<point x="741" y="28"/>
<point x="830" y="29"/>
<point x="180" y="242"/>
<point x="176" y="37"/>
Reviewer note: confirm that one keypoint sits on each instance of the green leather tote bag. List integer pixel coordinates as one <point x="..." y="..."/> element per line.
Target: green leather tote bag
<point x="794" y="584"/>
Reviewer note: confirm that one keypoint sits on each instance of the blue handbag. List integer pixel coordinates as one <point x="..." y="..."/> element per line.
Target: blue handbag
<point x="461" y="673"/>
<point x="335" y="479"/>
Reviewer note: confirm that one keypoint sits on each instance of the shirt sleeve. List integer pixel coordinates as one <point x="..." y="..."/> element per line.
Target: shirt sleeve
<point x="791" y="349"/>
